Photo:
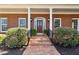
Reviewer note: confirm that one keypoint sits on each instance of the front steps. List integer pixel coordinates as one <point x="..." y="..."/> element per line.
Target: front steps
<point x="40" y="40"/>
<point x="40" y="45"/>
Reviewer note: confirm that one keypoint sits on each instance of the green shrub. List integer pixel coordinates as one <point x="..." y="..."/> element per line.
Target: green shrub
<point x="16" y="37"/>
<point x="2" y="37"/>
<point x="46" y="31"/>
<point x="33" y="32"/>
<point x="11" y="41"/>
<point x="66" y="37"/>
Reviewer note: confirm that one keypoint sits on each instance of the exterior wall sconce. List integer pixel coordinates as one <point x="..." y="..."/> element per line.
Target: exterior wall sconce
<point x="31" y="20"/>
<point x="48" y="20"/>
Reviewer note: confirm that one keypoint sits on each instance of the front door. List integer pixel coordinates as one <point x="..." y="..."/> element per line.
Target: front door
<point x="39" y="26"/>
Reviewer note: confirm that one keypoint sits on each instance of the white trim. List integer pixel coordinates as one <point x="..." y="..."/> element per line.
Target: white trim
<point x="3" y="18"/>
<point x="40" y="18"/>
<point x="19" y="19"/>
<point x="60" y="21"/>
<point x="24" y="12"/>
<point x="75" y="6"/>
<point x="50" y="22"/>
<point x="29" y="19"/>
<point x="75" y="18"/>
<point x="39" y="12"/>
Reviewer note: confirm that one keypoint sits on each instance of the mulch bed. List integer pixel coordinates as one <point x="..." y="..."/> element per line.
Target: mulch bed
<point x="12" y="51"/>
<point x="68" y="51"/>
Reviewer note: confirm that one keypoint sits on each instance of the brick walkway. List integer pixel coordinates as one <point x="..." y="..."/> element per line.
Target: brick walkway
<point x="40" y="45"/>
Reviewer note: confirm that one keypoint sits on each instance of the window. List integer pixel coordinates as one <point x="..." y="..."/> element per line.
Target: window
<point x="3" y="24"/>
<point x="57" y="22"/>
<point x="75" y="23"/>
<point x="22" y="22"/>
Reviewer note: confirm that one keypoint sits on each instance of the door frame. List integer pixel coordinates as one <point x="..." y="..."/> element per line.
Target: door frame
<point x="40" y="18"/>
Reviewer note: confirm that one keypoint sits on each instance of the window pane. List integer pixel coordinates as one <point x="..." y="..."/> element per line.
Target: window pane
<point x="57" y="23"/>
<point x="4" y="21"/>
<point x="4" y="27"/>
<point x="4" y="24"/>
<point x="75" y="22"/>
<point x="22" y="22"/>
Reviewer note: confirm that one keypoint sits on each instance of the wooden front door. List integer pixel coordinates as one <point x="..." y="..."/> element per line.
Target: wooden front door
<point x="39" y="26"/>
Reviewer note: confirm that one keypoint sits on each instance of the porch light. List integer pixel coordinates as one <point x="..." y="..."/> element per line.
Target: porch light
<point x="31" y="20"/>
<point x="48" y="20"/>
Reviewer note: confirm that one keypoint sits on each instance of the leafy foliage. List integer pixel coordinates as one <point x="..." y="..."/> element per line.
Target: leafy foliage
<point x="46" y="31"/>
<point x="66" y="37"/>
<point x="33" y="32"/>
<point x="16" y="37"/>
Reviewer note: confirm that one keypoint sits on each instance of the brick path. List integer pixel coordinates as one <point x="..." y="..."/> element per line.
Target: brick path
<point x="40" y="45"/>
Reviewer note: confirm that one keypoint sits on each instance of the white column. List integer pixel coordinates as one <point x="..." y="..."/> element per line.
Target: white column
<point x="29" y="22"/>
<point x="50" y="27"/>
<point x="78" y="25"/>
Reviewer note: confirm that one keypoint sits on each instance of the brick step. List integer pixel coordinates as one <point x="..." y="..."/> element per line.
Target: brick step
<point x="40" y="44"/>
<point x="40" y="40"/>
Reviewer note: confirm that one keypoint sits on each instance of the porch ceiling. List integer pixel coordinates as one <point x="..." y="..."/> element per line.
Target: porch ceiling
<point x="13" y="10"/>
<point x="40" y="10"/>
<point x="65" y="11"/>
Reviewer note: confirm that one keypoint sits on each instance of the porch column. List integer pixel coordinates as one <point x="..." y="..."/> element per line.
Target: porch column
<point x="50" y="23"/>
<point x="78" y="26"/>
<point x="29" y="25"/>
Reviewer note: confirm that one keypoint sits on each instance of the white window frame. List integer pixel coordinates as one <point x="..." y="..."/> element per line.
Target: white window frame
<point x="21" y="18"/>
<point x="60" y="21"/>
<point x="3" y="18"/>
<point x="78" y="23"/>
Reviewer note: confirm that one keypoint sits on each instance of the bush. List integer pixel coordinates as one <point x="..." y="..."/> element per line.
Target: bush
<point x="46" y="31"/>
<point x="2" y="37"/>
<point x="66" y="37"/>
<point x="34" y="32"/>
<point x="16" y="37"/>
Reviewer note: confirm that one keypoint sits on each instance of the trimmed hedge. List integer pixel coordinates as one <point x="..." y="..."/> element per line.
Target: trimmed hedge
<point x="66" y="37"/>
<point x="16" y="37"/>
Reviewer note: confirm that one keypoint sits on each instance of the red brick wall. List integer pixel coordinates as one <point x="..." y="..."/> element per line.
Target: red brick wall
<point x="13" y="19"/>
<point x="66" y="19"/>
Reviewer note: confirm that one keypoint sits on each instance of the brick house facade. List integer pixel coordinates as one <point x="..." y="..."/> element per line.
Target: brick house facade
<point x="39" y="17"/>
